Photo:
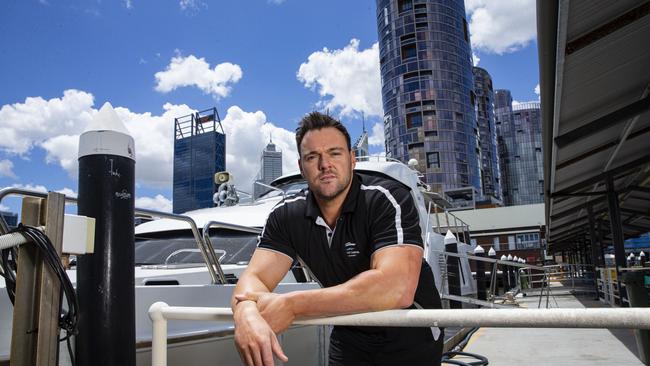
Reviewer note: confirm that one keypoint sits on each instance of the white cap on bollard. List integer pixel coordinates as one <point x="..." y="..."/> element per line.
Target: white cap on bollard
<point x="492" y="252"/>
<point x="509" y="257"/>
<point x="642" y="254"/>
<point x="515" y="258"/>
<point x="503" y="257"/>
<point x="479" y="250"/>
<point x="450" y="238"/>
<point x="106" y="135"/>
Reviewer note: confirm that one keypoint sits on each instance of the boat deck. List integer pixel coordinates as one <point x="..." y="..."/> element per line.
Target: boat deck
<point x="543" y="346"/>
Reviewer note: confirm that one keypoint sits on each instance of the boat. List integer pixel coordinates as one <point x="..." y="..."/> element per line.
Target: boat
<point x="170" y="267"/>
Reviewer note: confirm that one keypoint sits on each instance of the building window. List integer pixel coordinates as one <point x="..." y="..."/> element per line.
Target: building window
<point x="511" y="242"/>
<point x="433" y="159"/>
<point x="408" y="51"/>
<point x="466" y="33"/>
<point x="413" y="120"/>
<point x="404" y="5"/>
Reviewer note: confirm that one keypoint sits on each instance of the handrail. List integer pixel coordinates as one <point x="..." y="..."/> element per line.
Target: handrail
<point x="610" y="318"/>
<point x="222" y="225"/>
<point x="195" y="231"/>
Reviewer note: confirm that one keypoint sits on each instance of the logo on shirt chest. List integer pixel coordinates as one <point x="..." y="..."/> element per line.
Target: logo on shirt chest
<point x="351" y="249"/>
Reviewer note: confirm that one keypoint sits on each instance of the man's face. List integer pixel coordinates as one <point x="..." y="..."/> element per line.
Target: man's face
<point x="326" y="163"/>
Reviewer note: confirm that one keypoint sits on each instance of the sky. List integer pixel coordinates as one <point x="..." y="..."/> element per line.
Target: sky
<point x="262" y="63"/>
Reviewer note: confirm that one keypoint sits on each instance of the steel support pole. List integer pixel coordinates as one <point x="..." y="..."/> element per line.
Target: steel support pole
<point x="595" y="247"/>
<point x="617" y="229"/>
<point x="615" y="222"/>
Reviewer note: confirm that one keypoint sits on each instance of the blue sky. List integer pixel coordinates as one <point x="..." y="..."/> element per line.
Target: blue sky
<point x="263" y="64"/>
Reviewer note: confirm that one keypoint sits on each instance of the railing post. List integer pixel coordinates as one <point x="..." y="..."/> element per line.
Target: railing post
<point x="159" y="335"/>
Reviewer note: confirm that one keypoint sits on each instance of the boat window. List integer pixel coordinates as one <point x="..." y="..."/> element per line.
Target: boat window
<point x="176" y="247"/>
<point x="289" y="188"/>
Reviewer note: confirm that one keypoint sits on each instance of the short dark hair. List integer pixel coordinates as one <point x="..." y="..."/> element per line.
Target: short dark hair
<point x="317" y="121"/>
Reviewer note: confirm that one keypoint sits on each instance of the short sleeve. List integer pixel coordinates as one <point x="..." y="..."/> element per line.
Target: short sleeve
<point x="275" y="235"/>
<point x="394" y="219"/>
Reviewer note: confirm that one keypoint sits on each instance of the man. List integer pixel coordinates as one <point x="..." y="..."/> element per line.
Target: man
<point x="361" y="238"/>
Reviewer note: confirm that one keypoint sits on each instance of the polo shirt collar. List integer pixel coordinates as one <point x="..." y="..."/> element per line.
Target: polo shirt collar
<point x="349" y="204"/>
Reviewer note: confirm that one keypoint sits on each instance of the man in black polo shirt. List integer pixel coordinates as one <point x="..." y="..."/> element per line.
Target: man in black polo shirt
<point x="361" y="238"/>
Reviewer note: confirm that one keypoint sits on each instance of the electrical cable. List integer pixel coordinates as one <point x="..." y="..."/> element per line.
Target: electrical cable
<point x="447" y="357"/>
<point x="68" y="320"/>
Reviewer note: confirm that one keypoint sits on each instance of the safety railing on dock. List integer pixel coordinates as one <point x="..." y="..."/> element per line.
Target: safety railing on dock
<point x="610" y="318"/>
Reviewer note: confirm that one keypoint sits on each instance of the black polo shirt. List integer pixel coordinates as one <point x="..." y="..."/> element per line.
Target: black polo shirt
<point x="377" y="213"/>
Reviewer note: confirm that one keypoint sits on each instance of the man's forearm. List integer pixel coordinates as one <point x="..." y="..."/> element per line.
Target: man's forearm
<point x="371" y="290"/>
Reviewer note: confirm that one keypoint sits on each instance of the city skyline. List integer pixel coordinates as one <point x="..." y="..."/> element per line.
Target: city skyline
<point x="78" y="58"/>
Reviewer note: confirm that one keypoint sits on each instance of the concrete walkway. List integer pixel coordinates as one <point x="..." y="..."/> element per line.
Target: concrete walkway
<point x="532" y="347"/>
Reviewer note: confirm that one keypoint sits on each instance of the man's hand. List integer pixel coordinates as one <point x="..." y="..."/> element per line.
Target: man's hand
<point x="254" y="338"/>
<point x="275" y="309"/>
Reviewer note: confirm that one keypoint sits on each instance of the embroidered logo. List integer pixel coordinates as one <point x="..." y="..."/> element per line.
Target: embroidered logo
<point x="351" y="249"/>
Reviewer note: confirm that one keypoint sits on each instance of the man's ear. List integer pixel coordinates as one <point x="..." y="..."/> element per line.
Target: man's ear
<point x="300" y="167"/>
<point x="354" y="158"/>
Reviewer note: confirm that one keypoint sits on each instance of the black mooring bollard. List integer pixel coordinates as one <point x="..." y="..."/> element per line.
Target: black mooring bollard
<point x="480" y="274"/>
<point x="105" y="279"/>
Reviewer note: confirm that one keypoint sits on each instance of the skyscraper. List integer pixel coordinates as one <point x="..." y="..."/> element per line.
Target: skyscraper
<point x="490" y="173"/>
<point x="519" y="133"/>
<point x="270" y="167"/>
<point x="428" y="89"/>
<point x="360" y="147"/>
<point x="199" y="153"/>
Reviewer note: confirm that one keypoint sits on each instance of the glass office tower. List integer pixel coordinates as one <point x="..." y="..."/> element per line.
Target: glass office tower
<point x="199" y="153"/>
<point x="428" y="90"/>
<point x="270" y="167"/>
<point x="519" y="131"/>
<point x="490" y="173"/>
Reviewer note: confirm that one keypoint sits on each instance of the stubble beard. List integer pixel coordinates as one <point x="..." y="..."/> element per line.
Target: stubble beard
<point x="340" y="187"/>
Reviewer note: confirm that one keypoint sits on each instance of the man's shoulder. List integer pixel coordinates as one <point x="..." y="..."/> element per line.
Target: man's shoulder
<point x="381" y="181"/>
<point x="292" y="204"/>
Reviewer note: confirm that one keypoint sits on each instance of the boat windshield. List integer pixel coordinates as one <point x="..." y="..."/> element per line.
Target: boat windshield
<point x="179" y="247"/>
<point x="290" y="187"/>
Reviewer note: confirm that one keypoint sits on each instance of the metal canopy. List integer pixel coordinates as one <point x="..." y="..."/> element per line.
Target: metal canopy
<point x="595" y="93"/>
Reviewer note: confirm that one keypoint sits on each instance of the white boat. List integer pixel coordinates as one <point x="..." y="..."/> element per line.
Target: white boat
<point x="170" y="268"/>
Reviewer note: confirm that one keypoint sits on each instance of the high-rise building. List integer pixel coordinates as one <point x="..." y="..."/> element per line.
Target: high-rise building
<point x="199" y="153"/>
<point x="360" y="147"/>
<point x="519" y="132"/>
<point x="11" y="218"/>
<point x="490" y="173"/>
<point x="270" y="167"/>
<point x="428" y="90"/>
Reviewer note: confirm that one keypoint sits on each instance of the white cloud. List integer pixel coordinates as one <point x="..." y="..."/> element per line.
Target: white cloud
<point x="128" y="4"/>
<point x="193" y="71"/>
<point x="376" y="138"/>
<point x="158" y="203"/>
<point x="192" y="5"/>
<point x="6" y="169"/>
<point x="31" y="187"/>
<point x="276" y="2"/>
<point x="22" y="125"/>
<point x="247" y="133"/>
<point x="498" y="26"/>
<point x="475" y="59"/>
<point x="4" y="208"/>
<point x="347" y="79"/>
<point x="68" y="192"/>
<point x="57" y="124"/>
<point x="537" y="90"/>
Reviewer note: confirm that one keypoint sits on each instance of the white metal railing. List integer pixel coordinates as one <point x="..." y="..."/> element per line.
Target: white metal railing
<point x="611" y="318"/>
